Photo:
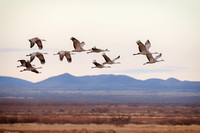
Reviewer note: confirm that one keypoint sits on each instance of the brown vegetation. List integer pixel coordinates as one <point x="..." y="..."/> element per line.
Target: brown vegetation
<point x="54" y="112"/>
<point x="118" y="115"/>
<point x="55" y="131"/>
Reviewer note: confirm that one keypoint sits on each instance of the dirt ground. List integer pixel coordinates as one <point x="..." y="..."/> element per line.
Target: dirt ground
<point x="94" y="128"/>
<point x="58" y="117"/>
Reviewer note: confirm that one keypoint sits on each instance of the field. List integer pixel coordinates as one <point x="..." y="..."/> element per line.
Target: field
<point x="60" y="117"/>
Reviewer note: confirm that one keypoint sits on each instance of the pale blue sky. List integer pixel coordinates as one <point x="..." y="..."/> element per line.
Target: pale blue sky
<point x="172" y="26"/>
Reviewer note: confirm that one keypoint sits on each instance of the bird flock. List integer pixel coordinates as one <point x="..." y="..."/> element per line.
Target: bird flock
<point x="78" y="47"/>
<point x="144" y="50"/>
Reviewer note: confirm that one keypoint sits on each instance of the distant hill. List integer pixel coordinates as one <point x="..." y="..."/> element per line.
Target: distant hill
<point x="101" y="82"/>
<point x="102" y="88"/>
<point x="10" y="82"/>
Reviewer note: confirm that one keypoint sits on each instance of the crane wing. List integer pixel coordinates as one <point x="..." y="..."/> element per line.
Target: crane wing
<point x="39" y="43"/>
<point x="35" y="71"/>
<point x="28" y="64"/>
<point x="149" y="57"/>
<point x="106" y="58"/>
<point x="32" y="57"/>
<point x="147" y="44"/>
<point x="158" y="56"/>
<point x="82" y="44"/>
<point x="116" y="58"/>
<point x="61" y="55"/>
<point x="41" y="58"/>
<point x="97" y="64"/>
<point x="68" y="57"/>
<point x="23" y="62"/>
<point x="76" y="43"/>
<point x="32" y="43"/>
<point x="141" y="46"/>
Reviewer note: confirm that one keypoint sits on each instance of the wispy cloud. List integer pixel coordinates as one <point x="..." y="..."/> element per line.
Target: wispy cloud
<point x="11" y="49"/>
<point x="24" y="49"/>
<point x="142" y="71"/>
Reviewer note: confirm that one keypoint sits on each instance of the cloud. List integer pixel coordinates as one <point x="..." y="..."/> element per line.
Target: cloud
<point x="12" y="49"/>
<point x="25" y="50"/>
<point x="169" y="69"/>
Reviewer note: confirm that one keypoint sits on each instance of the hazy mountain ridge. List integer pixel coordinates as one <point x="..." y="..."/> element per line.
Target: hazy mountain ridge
<point x="102" y="89"/>
<point x="100" y="82"/>
<point x="11" y="82"/>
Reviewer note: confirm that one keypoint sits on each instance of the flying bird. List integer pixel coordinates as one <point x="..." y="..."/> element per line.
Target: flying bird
<point x="153" y="60"/>
<point x="65" y="54"/>
<point x="38" y="55"/>
<point x="37" y="41"/>
<point x="23" y="63"/>
<point x="97" y="50"/>
<point x="78" y="46"/>
<point x="98" y="65"/>
<point x="29" y="67"/>
<point x="109" y="61"/>
<point x="144" y="49"/>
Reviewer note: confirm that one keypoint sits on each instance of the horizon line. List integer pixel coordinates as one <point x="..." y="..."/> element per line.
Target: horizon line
<point x="98" y="75"/>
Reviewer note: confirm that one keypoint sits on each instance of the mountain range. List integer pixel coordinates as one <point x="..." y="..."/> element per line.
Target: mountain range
<point x="99" y="82"/>
<point x="102" y="88"/>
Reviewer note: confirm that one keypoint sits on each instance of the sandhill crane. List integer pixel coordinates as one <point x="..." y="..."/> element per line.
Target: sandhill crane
<point x="96" y="50"/>
<point x="152" y="60"/>
<point x="78" y="46"/>
<point x="98" y="65"/>
<point x="67" y="55"/>
<point x="144" y="49"/>
<point x="29" y="67"/>
<point x="23" y="63"/>
<point x="36" y="40"/>
<point x="109" y="61"/>
<point x="37" y="54"/>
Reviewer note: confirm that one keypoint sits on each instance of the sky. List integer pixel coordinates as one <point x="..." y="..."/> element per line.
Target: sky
<point x="172" y="26"/>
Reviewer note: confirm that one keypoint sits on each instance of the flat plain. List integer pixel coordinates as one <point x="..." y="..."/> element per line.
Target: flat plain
<point x="60" y="117"/>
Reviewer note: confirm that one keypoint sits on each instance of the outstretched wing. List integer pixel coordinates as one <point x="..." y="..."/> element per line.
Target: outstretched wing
<point x="97" y="64"/>
<point x="141" y="46"/>
<point x="116" y="58"/>
<point x="61" y="55"/>
<point x="23" y="62"/>
<point x="82" y="44"/>
<point x="68" y="57"/>
<point x="149" y="57"/>
<point x="147" y="44"/>
<point x="32" y="43"/>
<point x="32" y="57"/>
<point x="39" y="43"/>
<point x="158" y="56"/>
<point x="76" y="43"/>
<point x="28" y="64"/>
<point x="35" y="71"/>
<point x="106" y="58"/>
<point x="41" y="58"/>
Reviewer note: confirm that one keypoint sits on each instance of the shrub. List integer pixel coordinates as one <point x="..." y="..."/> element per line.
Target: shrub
<point x="120" y="120"/>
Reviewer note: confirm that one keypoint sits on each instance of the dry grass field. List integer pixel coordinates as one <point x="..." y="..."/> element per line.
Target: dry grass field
<point x="60" y="117"/>
<point x="94" y="128"/>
